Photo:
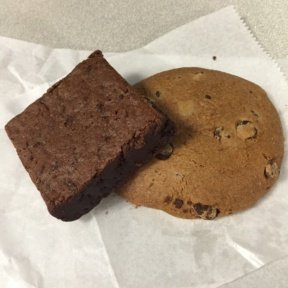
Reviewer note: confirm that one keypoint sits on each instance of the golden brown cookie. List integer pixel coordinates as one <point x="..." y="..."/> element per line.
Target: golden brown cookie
<point x="227" y="150"/>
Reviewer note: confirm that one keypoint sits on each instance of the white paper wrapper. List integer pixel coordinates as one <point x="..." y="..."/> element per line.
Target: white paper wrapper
<point x="117" y="245"/>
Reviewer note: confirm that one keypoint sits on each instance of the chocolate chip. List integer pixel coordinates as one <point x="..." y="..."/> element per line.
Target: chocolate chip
<point x="200" y="208"/>
<point x="206" y="211"/>
<point x="178" y="203"/>
<point x="168" y="199"/>
<point x="165" y="153"/>
<point x="271" y="170"/>
<point x="157" y="93"/>
<point x="208" y="97"/>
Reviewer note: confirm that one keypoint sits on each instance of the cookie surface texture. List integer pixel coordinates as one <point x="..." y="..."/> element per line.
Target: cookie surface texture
<point x="227" y="149"/>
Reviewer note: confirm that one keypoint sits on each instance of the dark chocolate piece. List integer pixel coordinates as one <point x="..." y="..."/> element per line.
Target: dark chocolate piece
<point x="85" y="135"/>
<point x="165" y="152"/>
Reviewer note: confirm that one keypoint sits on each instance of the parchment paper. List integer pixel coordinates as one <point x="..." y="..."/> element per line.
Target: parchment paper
<point x="118" y="245"/>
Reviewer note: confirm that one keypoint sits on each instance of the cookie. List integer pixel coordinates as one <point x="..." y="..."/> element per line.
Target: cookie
<point x="226" y="153"/>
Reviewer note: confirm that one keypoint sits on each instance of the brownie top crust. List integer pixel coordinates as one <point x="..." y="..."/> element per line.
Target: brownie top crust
<point x="69" y="135"/>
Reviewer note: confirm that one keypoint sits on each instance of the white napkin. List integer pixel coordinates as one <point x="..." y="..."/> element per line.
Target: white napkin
<point x="117" y="245"/>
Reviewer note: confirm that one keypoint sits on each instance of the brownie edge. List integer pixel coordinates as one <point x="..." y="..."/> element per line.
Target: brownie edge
<point x="86" y="135"/>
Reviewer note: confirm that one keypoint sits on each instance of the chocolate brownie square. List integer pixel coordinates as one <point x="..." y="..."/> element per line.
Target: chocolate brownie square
<point x="87" y="134"/>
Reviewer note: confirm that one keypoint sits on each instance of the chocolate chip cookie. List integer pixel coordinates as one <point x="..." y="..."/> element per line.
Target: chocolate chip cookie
<point x="226" y="153"/>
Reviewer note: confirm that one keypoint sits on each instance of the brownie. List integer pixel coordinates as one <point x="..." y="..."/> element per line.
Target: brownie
<point x="86" y="135"/>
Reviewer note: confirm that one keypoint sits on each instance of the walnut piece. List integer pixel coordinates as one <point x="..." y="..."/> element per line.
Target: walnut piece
<point x="271" y="170"/>
<point x="246" y="130"/>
